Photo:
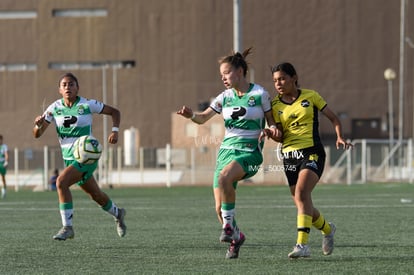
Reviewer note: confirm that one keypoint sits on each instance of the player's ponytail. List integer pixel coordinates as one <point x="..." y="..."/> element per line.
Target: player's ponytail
<point x="237" y="60"/>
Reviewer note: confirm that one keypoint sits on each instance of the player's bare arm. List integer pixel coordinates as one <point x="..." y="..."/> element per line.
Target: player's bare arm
<point x="340" y="141"/>
<point x="116" y="120"/>
<point x="198" y="118"/>
<point x="273" y="131"/>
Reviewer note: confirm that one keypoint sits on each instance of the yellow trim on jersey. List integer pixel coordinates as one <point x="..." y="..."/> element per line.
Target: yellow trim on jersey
<point x="299" y="119"/>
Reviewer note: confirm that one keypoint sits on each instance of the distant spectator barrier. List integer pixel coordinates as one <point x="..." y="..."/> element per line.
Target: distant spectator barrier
<point x="371" y="160"/>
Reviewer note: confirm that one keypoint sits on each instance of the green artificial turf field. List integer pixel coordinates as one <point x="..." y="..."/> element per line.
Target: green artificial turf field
<point x="175" y="231"/>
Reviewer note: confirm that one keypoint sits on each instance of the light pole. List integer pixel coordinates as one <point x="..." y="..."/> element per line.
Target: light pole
<point x="115" y="65"/>
<point x="411" y="45"/>
<point x="103" y="164"/>
<point x="390" y="75"/>
<point x="401" y="85"/>
<point x="237" y="32"/>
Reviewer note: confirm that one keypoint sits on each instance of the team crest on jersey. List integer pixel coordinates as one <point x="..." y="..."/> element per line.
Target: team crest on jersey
<point x="305" y="103"/>
<point x="252" y="101"/>
<point x="81" y="110"/>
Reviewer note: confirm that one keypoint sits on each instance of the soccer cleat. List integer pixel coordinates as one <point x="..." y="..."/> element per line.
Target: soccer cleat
<point x="300" y="251"/>
<point x="120" y="224"/>
<point x="328" y="241"/>
<point x="233" y="251"/>
<point x="227" y="234"/>
<point x="64" y="233"/>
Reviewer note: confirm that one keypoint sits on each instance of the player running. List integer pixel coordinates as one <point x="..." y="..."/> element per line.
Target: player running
<point x="72" y="115"/>
<point x="296" y="114"/>
<point x="245" y="108"/>
<point x="4" y="160"/>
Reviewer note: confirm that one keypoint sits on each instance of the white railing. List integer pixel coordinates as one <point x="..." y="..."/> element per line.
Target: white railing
<point x="394" y="162"/>
<point x="371" y="160"/>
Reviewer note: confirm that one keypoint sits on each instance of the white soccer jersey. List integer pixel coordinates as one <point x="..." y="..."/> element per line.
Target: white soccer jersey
<point x="72" y="122"/>
<point x="3" y="150"/>
<point x="243" y="116"/>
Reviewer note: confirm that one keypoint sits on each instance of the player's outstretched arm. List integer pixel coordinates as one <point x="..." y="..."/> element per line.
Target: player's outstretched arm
<point x="198" y="118"/>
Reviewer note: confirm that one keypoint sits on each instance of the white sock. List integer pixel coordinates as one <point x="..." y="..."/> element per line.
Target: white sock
<point x="113" y="209"/>
<point x="66" y="216"/>
<point x="228" y="217"/>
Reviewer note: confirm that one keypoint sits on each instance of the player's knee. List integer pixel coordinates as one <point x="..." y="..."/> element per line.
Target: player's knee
<point x="61" y="183"/>
<point x="225" y="179"/>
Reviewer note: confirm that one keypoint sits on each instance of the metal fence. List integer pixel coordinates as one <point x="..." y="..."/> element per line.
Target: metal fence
<point x="374" y="160"/>
<point x="368" y="161"/>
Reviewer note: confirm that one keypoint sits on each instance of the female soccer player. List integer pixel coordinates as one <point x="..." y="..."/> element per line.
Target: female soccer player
<point x="245" y="107"/>
<point x="72" y="115"/>
<point x="4" y="160"/>
<point x="296" y="115"/>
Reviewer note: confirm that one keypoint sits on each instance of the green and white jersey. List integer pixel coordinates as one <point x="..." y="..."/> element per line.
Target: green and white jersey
<point x="243" y="117"/>
<point x="3" y="150"/>
<point x="72" y="122"/>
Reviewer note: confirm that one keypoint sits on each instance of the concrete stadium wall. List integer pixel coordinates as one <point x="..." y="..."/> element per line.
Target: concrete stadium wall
<point x="340" y="48"/>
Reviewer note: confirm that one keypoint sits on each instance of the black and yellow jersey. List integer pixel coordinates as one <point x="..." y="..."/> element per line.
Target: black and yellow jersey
<point x="299" y="119"/>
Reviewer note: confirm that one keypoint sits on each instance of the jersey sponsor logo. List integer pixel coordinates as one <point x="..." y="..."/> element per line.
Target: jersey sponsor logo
<point x="312" y="164"/>
<point x="69" y="120"/>
<point x="238" y="112"/>
<point x="305" y="103"/>
<point x="297" y="124"/>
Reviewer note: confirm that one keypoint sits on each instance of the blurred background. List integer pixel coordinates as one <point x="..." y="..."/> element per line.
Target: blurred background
<point x="148" y="58"/>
